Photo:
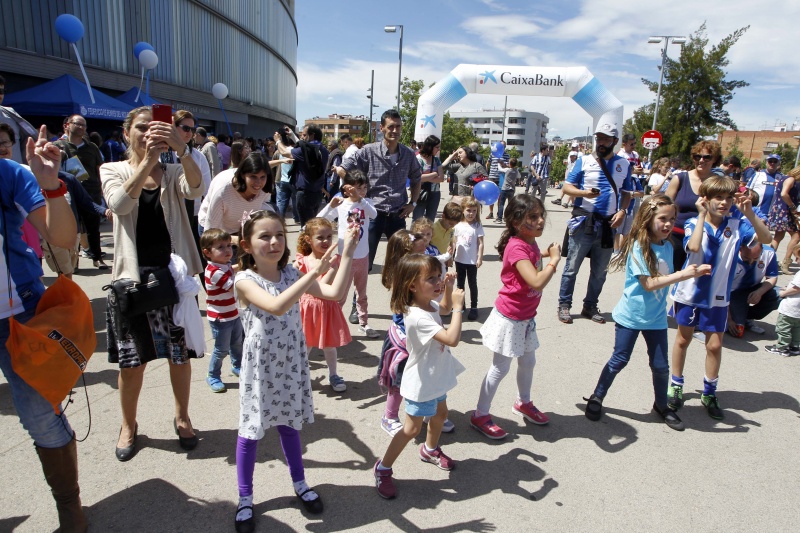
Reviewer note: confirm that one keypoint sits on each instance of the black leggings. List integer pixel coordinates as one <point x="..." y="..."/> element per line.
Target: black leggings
<point x="471" y="272"/>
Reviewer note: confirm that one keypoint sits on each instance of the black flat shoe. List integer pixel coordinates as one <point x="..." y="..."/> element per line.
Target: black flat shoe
<point x="125" y="454"/>
<point x="594" y="408"/>
<point x="187" y="443"/>
<point x="312" y="506"/>
<point x="245" y="526"/>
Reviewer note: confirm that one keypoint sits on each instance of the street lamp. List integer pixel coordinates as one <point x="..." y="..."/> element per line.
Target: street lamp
<point x="372" y="105"/>
<point x="676" y="39"/>
<point x="393" y="29"/>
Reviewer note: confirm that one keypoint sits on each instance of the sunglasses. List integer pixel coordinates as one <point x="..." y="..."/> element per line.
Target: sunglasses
<point x="188" y="129"/>
<point x="704" y="157"/>
<point x="772" y="161"/>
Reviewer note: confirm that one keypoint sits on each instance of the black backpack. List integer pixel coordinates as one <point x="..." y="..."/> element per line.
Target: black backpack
<point x="313" y="158"/>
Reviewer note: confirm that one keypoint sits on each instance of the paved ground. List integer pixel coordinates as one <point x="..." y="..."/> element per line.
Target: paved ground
<point x="628" y="471"/>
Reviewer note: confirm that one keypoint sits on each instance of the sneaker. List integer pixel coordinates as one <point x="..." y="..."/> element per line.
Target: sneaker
<point x="485" y="425"/>
<point x="675" y="397"/>
<point x="530" y="413"/>
<point x="235" y="371"/>
<point x="384" y="482"/>
<point x="447" y="427"/>
<point x="670" y="417"/>
<point x="216" y="384"/>
<point x="337" y="383"/>
<point x="594" y="314"/>
<point x="85" y="253"/>
<point x="368" y="331"/>
<point x="498" y="221"/>
<point x="473" y="314"/>
<point x="557" y="201"/>
<point x="751" y="326"/>
<point x="594" y="408"/>
<point x="392" y="426"/>
<point x="353" y="315"/>
<point x="780" y="350"/>
<point x="794" y="350"/>
<point x="699" y="335"/>
<point x="436" y="457"/>
<point x="563" y="315"/>
<point x="711" y="404"/>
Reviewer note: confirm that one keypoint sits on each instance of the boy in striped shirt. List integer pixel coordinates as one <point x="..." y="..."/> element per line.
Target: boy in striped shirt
<point x="221" y="310"/>
<point x="713" y="237"/>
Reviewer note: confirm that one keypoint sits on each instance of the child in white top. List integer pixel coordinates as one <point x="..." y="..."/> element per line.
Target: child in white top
<point x="468" y="237"/>
<point x="353" y="208"/>
<point x="431" y="369"/>
<point x="275" y="383"/>
<point x="788" y="325"/>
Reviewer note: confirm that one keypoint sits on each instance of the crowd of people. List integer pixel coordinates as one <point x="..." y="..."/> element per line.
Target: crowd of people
<point x="181" y="203"/>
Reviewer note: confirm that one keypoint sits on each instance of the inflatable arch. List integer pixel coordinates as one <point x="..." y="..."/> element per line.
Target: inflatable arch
<point x="576" y="82"/>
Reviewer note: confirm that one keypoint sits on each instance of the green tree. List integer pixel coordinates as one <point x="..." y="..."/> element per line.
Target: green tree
<point x="788" y="155"/>
<point x="735" y="148"/>
<point x="454" y="134"/>
<point x="559" y="168"/>
<point x="695" y="92"/>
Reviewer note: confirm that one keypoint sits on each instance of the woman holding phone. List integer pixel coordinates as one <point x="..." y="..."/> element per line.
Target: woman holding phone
<point x="146" y="197"/>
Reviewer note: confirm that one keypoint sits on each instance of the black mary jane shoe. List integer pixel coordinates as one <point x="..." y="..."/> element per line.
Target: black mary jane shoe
<point x="126" y="453"/>
<point x="245" y="526"/>
<point x="312" y="506"/>
<point x="187" y="443"/>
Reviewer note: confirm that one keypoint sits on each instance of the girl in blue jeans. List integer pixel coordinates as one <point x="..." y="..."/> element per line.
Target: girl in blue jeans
<point x="647" y="255"/>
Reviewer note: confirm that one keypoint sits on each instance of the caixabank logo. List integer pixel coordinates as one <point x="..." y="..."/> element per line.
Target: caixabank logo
<point x="511" y="78"/>
<point x="534" y="81"/>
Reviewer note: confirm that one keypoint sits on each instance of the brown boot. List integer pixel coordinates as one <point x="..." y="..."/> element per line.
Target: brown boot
<point x="60" y="467"/>
<point x="784" y="266"/>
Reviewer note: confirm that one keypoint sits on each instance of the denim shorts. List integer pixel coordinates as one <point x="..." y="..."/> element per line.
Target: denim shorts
<point x="423" y="408"/>
<point x="714" y="319"/>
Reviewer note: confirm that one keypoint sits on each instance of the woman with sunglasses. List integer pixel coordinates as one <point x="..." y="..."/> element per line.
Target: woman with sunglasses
<point x="684" y="188"/>
<point x="150" y="221"/>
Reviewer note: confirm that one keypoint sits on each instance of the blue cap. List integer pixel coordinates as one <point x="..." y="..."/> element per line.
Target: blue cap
<point x="773" y="156"/>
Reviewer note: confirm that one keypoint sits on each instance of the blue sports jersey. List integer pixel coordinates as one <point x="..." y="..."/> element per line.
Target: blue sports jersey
<point x="764" y="184"/>
<point x="752" y="274"/>
<point x="19" y="195"/>
<point x="587" y="174"/>
<point x="719" y="249"/>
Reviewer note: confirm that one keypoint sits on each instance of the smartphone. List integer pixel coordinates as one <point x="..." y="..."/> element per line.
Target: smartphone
<point x="162" y="113"/>
<point x="595" y="190"/>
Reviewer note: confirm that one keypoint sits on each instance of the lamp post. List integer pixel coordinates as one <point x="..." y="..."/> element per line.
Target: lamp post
<point x="797" y="157"/>
<point x="371" y="104"/>
<point x="393" y="29"/>
<point x="676" y="39"/>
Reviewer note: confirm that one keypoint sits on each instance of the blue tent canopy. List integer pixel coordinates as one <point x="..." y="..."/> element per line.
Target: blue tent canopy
<point x="65" y="96"/>
<point x="129" y="96"/>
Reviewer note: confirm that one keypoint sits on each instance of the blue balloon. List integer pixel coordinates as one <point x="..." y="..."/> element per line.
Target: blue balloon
<point x="486" y="192"/>
<point x="498" y="149"/>
<point x="140" y="47"/>
<point x="69" y="28"/>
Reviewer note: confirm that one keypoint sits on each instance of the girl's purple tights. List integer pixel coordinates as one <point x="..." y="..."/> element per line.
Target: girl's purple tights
<point x="393" y="401"/>
<point x="246" y="458"/>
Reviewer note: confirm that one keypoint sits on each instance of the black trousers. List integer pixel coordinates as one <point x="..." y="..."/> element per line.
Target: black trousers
<point x="308" y="203"/>
<point x="471" y="273"/>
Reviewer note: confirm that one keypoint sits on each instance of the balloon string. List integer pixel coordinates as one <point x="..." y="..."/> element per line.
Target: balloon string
<point x="83" y="70"/>
<point x="230" y="132"/>
<point x="141" y="80"/>
<point x="147" y="85"/>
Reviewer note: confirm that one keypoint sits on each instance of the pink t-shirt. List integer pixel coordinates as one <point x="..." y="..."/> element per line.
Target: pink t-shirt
<point x="516" y="299"/>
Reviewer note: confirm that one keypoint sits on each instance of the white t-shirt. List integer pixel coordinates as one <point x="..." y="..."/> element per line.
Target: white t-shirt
<point x="789" y="306"/>
<point x="466" y="236"/>
<point x="361" y="212"/>
<point x="431" y="369"/>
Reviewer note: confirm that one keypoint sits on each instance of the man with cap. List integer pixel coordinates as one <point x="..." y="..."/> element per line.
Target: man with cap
<point x="753" y="294"/>
<point x="598" y="182"/>
<point x="763" y="182"/>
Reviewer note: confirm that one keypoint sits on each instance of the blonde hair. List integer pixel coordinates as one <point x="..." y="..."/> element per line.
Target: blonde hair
<point x="399" y="245"/>
<point x="640" y="232"/>
<point x="311" y="227"/>
<point x="470" y="201"/>
<point x="421" y="224"/>
<point x="409" y="269"/>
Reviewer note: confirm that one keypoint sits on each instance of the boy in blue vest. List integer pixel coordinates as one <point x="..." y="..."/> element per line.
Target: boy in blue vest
<point x="713" y="237"/>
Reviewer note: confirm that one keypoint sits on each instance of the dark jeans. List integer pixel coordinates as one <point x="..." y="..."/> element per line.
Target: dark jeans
<point x="501" y="201"/>
<point x="581" y="246"/>
<point x="471" y="273"/>
<point x="383" y="224"/>
<point x="91" y="221"/>
<point x="308" y="203"/>
<point x="429" y="207"/>
<point x="624" y="341"/>
<point x="678" y="251"/>
<point x="287" y="192"/>
<point x="741" y="311"/>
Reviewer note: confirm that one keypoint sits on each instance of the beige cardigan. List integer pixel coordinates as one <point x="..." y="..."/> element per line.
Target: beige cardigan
<point x="174" y="188"/>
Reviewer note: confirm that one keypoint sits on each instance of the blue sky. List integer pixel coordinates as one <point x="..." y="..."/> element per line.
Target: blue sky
<point x="339" y="43"/>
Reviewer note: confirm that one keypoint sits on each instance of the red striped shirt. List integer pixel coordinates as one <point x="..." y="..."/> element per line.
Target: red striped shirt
<point x="220" y="302"/>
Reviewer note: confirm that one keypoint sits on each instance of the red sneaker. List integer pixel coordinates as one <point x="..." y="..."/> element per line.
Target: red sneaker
<point x="530" y="413"/>
<point x="485" y="425"/>
<point x="436" y="457"/>
<point x="384" y="482"/>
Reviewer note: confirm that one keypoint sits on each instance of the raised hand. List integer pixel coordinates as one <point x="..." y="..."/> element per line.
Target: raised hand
<point x="555" y="252"/>
<point x="458" y="299"/>
<point x="324" y="262"/>
<point x="44" y="158"/>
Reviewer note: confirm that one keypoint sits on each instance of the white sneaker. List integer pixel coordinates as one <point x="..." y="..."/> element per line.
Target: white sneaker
<point x="447" y="427"/>
<point x="368" y="331"/>
<point x="391" y="426"/>
<point x="699" y="335"/>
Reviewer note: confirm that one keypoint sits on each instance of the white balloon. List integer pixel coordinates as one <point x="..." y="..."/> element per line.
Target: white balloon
<point x="220" y="91"/>
<point x="148" y="59"/>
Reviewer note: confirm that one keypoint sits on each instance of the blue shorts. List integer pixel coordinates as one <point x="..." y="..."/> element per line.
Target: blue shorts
<point x="423" y="408"/>
<point x="714" y="319"/>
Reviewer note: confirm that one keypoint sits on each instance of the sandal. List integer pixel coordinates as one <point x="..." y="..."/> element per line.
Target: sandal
<point x="245" y="526"/>
<point x="312" y="506"/>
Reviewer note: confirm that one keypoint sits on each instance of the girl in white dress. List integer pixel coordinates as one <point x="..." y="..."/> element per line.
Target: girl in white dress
<point x="275" y="385"/>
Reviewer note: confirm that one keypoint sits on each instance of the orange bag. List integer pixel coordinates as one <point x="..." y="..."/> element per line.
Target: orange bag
<point x="51" y="350"/>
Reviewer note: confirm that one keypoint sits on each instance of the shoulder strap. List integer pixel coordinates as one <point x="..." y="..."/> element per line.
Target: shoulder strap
<point x="607" y="175"/>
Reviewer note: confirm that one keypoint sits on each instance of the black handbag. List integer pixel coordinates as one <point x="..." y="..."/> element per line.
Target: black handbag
<point x="156" y="289"/>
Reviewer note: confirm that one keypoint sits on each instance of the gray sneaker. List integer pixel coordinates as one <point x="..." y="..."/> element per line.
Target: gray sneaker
<point x="337" y="383"/>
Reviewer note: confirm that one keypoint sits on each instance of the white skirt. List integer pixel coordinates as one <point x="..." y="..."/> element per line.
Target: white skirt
<point x="512" y="338"/>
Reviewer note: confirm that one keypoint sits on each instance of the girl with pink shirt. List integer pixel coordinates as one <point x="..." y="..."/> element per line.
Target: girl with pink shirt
<point x="510" y="330"/>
